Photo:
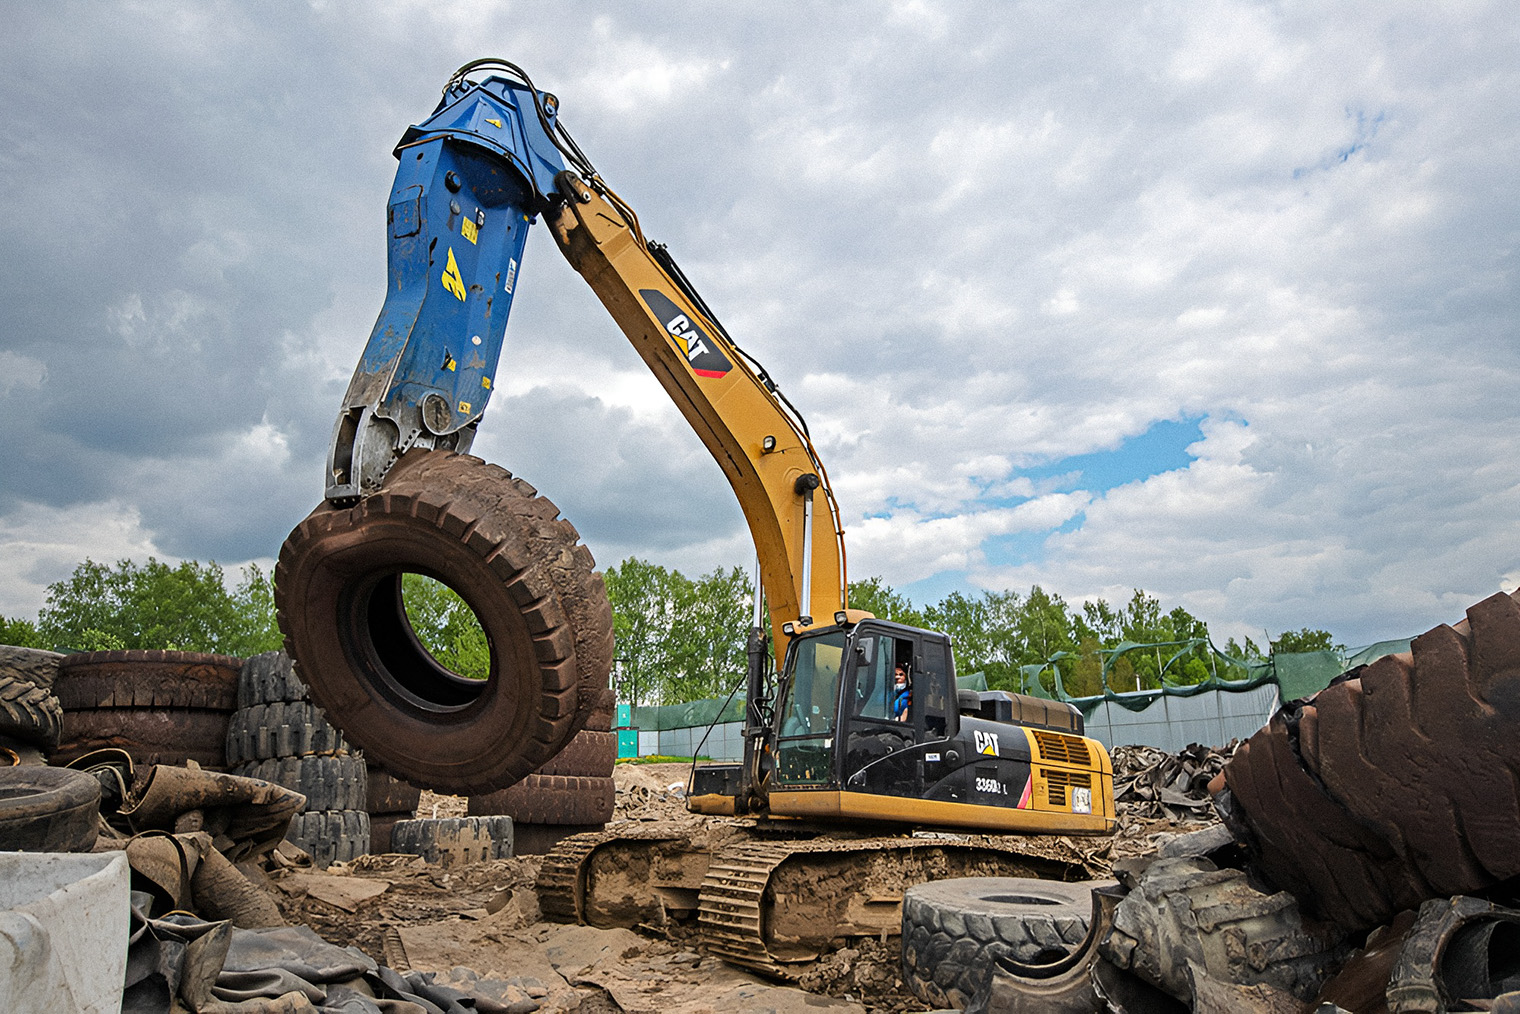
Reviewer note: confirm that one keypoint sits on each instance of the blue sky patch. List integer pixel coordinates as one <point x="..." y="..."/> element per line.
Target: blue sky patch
<point x="1161" y="448"/>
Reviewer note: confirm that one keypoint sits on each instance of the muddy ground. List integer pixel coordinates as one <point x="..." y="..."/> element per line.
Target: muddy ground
<point x="479" y="926"/>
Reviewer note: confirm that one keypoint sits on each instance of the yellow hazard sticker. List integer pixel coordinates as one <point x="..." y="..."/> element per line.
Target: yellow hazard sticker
<point x="464" y="406"/>
<point x="485" y="382"/>
<point x="494" y="122"/>
<point x="448" y="362"/>
<point x="469" y="230"/>
<point x="451" y="279"/>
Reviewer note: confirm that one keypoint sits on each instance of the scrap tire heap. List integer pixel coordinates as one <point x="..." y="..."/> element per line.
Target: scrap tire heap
<point x="1396" y="784"/>
<point x="570" y="793"/>
<point x="952" y="930"/>
<point x="45" y="809"/>
<point x="454" y="840"/>
<point x="390" y="800"/>
<point x="278" y="735"/>
<point x="1188" y="918"/>
<point x="29" y="715"/>
<point x="161" y="707"/>
<point x="521" y="569"/>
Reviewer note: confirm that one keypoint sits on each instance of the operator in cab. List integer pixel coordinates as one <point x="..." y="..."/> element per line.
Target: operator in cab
<point x="903" y="694"/>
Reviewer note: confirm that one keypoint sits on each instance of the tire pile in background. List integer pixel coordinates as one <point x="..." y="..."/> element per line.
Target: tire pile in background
<point x="389" y="801"/>
<point x="161" y="707"/>
<point x="277" y="734"/>
<point x="31" y="719"/>
<point x="571" y="792"/>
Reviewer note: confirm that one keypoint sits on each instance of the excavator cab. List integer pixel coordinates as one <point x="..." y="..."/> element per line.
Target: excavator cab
<point x="845" y="747"/>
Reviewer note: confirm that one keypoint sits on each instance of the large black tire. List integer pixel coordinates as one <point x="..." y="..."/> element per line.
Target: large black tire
<point x="328" y="783"/>
<point x="1385" y="790"/>
<point x="48" y="810"/>
<point x="952" y="930"/>
<point x="388" y="794"/>
<point x="30" y="665"/>
<point x="550" y="799"/>
<point x="149" y="735"/>
<point x="454" y="840"/>
<point x="589" y="754"/>
<point x="269" y="678"/>
<point x="331" y="836"/>
<point x="600" y="713"/>
<point x="147" y="679"/>
<point x="286" y="729"/>
<point x="29" y="714"/>
<point x="503" y="549"/>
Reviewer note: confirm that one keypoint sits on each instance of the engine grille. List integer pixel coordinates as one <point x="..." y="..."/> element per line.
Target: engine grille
<point x="1063" y="749"/>
<point x="1058" y="782"/>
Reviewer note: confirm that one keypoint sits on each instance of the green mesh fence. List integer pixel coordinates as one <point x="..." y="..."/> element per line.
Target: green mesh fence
<point x="1296" y="676"/>
<point x="691" y="715"/>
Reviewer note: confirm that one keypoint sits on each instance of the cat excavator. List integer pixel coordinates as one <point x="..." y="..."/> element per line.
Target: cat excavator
<point x="864" y="768"/>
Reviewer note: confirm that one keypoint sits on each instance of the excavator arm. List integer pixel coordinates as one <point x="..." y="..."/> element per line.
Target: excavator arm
<point x="473" y="178"/>
<point x="732" y="405"/>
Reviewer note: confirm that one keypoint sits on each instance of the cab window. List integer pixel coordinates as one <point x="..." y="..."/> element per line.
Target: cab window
<point x="814" y="686"/>
<point x="873" y="678"/>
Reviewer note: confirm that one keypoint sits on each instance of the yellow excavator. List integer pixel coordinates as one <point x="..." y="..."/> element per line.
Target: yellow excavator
<point x="864" y="770"/>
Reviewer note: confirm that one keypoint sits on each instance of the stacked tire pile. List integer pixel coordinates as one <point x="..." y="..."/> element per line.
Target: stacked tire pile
<point x="278" y="735"/>
<point x="389" y="801"/>
<point x="570" y="793"/>
<point x="161" y="707"/>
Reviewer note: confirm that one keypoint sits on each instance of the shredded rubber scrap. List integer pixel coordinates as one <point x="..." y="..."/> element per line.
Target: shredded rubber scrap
<point x="1153" y="784"/>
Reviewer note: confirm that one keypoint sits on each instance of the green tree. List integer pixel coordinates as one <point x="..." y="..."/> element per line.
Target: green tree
<point x="881" y="600"/>
<point x="1245" y="652"/>
<point x="253" y="629"/>
<point x="19" y="632"/>
<point x="645" y="599"/>
<point x="709" y="636"/>
<point x="1086" y="678"/>
<point x="967" y="621"/>
<point x="185" y="607"/>
<point x="447" y="627"/>
<point x="677" y="639"/>
<point x="1291" y="642"/>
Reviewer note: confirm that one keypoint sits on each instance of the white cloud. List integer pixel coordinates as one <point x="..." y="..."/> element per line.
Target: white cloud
<point x="965" y="240"/>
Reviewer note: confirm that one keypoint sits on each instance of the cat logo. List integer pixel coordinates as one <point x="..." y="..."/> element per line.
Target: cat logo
<point x="451" y="279"/>
<point x="701" y="354"/>
<point x="986" y="742"/>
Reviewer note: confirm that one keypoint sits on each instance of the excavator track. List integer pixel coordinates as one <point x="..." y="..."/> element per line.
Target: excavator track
<point x="732" y="906"/>
<point x="774" y="906"/>
<point x="570" y="889"/>
<point x="560" y="894"/>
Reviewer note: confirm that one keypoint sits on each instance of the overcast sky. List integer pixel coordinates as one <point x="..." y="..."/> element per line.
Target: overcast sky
<point x="1214" y="299"/>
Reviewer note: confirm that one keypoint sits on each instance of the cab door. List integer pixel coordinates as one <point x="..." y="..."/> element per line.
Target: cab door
<point x="879" y="755"/>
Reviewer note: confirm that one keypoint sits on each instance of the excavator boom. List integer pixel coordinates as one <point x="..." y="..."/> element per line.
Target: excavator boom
<point x="472" y="179"/>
